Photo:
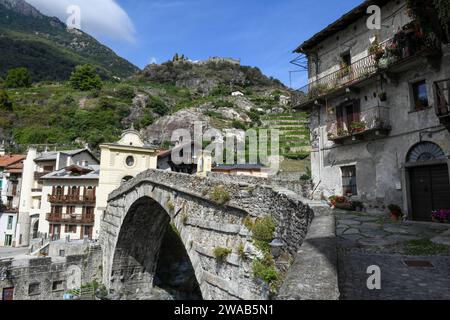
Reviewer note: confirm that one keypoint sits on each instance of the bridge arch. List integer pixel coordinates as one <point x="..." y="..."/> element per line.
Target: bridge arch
<point x="144" y="251"/>
<point x="132" y="235"/>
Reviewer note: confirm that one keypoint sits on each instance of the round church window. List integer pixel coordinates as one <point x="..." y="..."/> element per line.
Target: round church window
<point x="130" y="161"/>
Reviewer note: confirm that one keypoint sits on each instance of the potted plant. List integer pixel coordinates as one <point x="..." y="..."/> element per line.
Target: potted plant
<point x="441" y="216"/>
<point x="358" y="126"/>
<point x="340" y="202"/>
<point x="376" y="50"/>
<point x="396" y="212"/>
<point x="382" y="96"/>
<point x="342" y="132"/>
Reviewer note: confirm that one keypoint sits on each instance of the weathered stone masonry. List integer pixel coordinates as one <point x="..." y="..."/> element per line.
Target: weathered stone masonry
<point x="140" y="209"/>
<point x="47" y="278"/>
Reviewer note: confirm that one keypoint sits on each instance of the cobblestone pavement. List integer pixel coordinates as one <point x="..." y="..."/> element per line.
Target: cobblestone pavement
<point x="365" y="240"/>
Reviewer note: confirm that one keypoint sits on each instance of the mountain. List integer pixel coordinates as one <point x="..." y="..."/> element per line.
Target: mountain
<point x="48" y="48"/>
<point x="156" y="101"/>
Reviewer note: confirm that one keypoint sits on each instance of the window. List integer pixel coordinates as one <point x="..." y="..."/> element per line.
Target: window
<point x="57" y="209"/>
<point x="10" y="222"/>
<point x="349" y="181"/>
<point x="58" y="286"/>
<point x="130" y="161"/>
<point x="88" y="210"/>
<point x="34" y="289"/>
<point x="420" y="95"/>
<point x="346" y="116"/>
<point x="71" y="228"/>
<point x="70" y="210"/>
<point x="48" y="168"/>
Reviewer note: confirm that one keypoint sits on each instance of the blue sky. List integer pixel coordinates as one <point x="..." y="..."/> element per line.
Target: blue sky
<point x="261" y="33"/>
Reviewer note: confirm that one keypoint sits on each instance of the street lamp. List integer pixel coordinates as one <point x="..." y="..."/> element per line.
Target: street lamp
<point x="276" y="247"/>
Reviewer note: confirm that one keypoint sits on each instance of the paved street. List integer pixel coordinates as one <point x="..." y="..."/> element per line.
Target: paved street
<point x="6" y="252"/>
<point x="365" y="240"/>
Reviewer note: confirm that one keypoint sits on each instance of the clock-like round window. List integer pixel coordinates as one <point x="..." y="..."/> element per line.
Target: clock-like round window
<point x="130" y="161"/>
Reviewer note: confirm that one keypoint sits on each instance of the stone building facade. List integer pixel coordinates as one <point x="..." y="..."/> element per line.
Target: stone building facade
<point x="379" y="102"/>
<point x="49" y="278"/>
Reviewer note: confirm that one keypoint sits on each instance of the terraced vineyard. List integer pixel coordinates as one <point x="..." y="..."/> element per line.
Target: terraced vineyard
<point x="294" y="133"/>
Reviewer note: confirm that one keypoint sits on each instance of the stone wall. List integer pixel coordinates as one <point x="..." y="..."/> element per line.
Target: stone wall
<point x="204" y="224"/>
<point x="301" y="188"/>
<point x="47" y="278"/>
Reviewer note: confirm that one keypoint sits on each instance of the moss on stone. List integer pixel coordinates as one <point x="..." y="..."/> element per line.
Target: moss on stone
<point x="221" y="254"/>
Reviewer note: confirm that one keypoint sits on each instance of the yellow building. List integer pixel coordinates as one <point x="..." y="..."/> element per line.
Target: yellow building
<point x="120" y="162"/>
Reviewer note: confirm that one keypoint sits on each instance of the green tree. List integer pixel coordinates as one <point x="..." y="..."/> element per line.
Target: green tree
<point x="5" y="101"/>
<point x="18" y="78"/>
<point x="85" y="78"/>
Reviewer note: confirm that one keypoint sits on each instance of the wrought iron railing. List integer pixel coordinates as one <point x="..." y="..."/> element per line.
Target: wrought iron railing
<point x="376" y="118"/>
<point x="343" y="77"/>
<point x="70" y="218"/>
<point x="405" y="44"/>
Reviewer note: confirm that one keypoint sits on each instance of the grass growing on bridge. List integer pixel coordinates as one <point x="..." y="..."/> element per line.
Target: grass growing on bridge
<point x="220" y="195"/>
<point x="221" y="254"/>
<point x="263" y="233"/>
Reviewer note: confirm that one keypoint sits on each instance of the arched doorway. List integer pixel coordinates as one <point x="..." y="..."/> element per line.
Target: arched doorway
<point x="429" y="180"/>
<point x="149" y="252"/>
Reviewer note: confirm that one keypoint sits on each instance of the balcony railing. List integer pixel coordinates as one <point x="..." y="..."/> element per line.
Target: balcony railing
<point x="71" y="218"/>
<point x="373" y="119"/>
<point x="71" y="199"/>
<point x="341" y="78"/>
<point x="404" y="45"/>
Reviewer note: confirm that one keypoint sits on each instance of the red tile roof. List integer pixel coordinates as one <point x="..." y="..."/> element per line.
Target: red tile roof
<point x="15" y="168"/>
<point x="8" y="160"/>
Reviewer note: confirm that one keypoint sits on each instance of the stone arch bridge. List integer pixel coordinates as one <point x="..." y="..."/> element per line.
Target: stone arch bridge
<point x="161" y="229"/>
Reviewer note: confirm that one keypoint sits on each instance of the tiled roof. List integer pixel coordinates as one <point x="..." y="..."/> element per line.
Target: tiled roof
<point x="15" y="168"/>
<point x="89" y="172"/>
<point x="8" y="160"/>
<point x="239" y="167"/>
<point x="52" y="155"/>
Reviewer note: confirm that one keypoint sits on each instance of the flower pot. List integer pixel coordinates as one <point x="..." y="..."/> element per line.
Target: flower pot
<point x="394" y="216"/>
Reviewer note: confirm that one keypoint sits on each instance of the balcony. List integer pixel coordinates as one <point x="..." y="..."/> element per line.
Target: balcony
<point x="388" y="58"/>
<point x="340" y="79"/>
<point x="71" y="199"/>
<point x="70" y="218"/>
<point x="373" y="121"/>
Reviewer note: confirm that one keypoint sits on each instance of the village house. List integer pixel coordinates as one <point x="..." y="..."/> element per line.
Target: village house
<point x="10" y="184"/>
<point x="33" y="200"/>
<point x="380" y="112"/>
<point x="69" y="210"/>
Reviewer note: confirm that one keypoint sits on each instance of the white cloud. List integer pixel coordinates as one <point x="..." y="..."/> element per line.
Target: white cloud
<point x="98" y="17"/>
<point x="153" y="60"/>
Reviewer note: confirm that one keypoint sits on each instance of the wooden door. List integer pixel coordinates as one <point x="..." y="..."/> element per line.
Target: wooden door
<point x="8" y="294"/>
<point x="430" y="190"/>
